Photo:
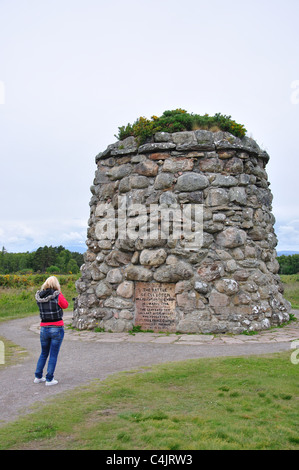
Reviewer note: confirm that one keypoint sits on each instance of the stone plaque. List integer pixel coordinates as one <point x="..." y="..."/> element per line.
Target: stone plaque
<point x="155" y="306"/>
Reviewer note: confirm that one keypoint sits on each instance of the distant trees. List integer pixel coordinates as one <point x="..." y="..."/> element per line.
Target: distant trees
<point x="44" y="259"/>
<point x="59" y="260"/>
<point x="288" y="264"/>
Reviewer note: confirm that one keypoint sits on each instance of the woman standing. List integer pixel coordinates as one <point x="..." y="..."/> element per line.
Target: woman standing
<point x="50" y="302"/>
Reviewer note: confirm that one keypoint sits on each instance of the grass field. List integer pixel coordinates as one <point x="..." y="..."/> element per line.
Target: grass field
<point x="291" y="288"/>
<point x="18" y="301"/>
<point x="219" y="403"/>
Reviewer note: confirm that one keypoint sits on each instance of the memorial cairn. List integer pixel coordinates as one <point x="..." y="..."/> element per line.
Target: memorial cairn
<point x="181" y="238"/>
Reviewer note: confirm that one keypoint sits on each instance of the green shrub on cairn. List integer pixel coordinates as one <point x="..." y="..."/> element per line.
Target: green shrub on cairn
<point x="176" y="121"/>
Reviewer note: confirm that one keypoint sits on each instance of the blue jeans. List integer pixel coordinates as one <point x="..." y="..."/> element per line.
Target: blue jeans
<point x="51" y="338"/>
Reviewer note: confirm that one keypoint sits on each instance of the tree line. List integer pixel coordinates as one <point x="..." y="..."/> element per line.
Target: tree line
<point x="59" y="260"/>
<point x="53" y="260"/>
<point x="289" y="264"/>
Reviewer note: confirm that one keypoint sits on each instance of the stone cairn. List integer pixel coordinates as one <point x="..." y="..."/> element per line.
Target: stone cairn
<point x="227" y="282"/>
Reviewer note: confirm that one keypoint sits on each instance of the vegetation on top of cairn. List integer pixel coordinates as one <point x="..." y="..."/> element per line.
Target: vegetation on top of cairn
<point x="179" y="120"/>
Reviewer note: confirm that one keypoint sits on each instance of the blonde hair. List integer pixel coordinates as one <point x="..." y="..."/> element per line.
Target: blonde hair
<point x="51" y="283"/>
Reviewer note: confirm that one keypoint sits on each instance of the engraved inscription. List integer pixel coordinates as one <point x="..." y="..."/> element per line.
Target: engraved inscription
<point x="155" y="306"/>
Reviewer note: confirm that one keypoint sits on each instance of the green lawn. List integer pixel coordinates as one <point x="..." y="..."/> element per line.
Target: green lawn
<point x="219" y="403"/>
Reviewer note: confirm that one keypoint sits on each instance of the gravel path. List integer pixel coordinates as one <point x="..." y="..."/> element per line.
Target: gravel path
<point x="85" y="356"/>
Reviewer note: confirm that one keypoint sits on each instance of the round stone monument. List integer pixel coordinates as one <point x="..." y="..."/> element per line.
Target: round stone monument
<point x="181" y="238"/>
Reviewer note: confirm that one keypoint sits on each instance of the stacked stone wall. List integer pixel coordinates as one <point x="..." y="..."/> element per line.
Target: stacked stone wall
<point x="228" y="282"/>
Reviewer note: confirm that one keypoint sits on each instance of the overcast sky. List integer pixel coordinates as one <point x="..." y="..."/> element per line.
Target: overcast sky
<point x="73" y="71"/>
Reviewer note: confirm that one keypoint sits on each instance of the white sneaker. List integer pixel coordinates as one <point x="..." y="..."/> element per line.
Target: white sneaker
<point x="53" y="382"/>
<point x="38" y="381"/>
